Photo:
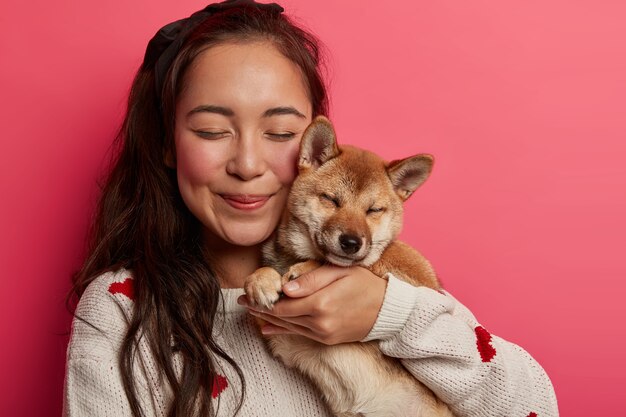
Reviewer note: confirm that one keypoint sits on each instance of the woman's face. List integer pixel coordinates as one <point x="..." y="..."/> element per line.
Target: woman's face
<point x="238" y="126"/>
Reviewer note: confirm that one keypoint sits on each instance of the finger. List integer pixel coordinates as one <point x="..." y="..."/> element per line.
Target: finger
<point x="284" y="308"/>
<point x="243" y="300"/>
<point x="273" y="320"/>
<point x="288" y="308"/>
<point x="313" y="281"/>
<point x="289" y="328"/>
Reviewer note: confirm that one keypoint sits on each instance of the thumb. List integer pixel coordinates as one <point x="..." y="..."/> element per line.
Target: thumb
<point x="313" y="281"/>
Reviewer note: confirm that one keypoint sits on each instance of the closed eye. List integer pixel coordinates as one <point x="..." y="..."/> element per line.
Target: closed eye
<point x="332" y="199"/>
<point x="372" y="210"/>
<point x="211" y="134"/>
<point x="281" y="136"/>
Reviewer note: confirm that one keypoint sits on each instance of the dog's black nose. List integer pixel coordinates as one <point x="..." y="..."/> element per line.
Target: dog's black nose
<point x="350" y="244"/>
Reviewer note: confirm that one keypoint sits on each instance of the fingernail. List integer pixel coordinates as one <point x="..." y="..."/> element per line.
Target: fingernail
<point x="291" y="286"/>
<point x="268" y="330"/>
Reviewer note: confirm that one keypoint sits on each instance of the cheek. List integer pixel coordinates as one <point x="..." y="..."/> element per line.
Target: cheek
<point x="196" y="163"/>
<point x="284" y="162"/>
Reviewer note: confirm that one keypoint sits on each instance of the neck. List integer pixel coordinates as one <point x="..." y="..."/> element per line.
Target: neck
<point x="233" y="264"/>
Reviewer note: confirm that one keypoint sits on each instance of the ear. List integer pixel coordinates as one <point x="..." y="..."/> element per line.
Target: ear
<point x="169" y="159"/>
<point x="318" y="144"/>
<point x="408" y="174"/>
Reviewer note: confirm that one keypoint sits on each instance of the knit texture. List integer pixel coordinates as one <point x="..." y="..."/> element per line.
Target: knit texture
<point x="437" y="339"/>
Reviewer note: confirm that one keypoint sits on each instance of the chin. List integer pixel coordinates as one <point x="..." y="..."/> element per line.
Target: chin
<point x="247" y="236"/>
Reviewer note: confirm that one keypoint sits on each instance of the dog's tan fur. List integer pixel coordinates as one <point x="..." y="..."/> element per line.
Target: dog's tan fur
<point x="339" y="192"/>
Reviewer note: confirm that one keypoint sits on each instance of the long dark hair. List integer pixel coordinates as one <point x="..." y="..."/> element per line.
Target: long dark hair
<point x="142" y="224"/>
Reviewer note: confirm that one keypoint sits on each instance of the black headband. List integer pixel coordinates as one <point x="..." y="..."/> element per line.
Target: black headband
<point x="165" y="45"/>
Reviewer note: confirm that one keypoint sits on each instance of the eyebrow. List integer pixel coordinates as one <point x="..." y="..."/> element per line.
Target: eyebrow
<point x="225" y="111"/>
<point x="279" y="111"/>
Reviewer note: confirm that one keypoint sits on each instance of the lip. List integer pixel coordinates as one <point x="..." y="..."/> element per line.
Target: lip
<point x="246" y="201"/>
<point x="340" y="260"/>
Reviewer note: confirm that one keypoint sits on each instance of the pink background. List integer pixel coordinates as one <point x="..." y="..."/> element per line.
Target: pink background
<point x="523" y="105"/>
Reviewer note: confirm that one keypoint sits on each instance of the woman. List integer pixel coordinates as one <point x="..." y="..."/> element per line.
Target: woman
<point x="207" y="153"/>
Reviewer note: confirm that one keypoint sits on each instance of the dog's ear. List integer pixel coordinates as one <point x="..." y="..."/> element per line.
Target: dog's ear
<point x="318" y="145"/>
<point x="408" y="174"/>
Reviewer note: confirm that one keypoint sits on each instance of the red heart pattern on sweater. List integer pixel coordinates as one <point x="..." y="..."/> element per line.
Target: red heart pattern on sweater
<point x="125" y="288"/>
<point x="483" y="341"/>
<point x="219" y="384"/>
<point x="532" y="415"/>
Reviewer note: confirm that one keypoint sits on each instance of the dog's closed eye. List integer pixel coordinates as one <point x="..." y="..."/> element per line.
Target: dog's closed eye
<point x="332" y="199"/>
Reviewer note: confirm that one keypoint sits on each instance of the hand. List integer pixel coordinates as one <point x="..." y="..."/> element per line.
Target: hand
<point x="330" y="305"/>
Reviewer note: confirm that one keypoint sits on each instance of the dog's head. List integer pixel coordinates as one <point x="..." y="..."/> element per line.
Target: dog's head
<point x="348" y="201"/>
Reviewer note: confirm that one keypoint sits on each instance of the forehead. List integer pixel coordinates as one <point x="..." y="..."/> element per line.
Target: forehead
<point x="252" y="73"/>
<point x="360" y="172"/>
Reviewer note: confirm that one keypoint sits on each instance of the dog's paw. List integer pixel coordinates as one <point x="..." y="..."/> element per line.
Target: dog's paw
<point x="300" y="268"/>
<point x="263" y="287"/>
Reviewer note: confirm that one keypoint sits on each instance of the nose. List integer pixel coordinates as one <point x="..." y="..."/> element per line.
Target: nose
<point x="247" y="160"/>
<point x="350" y="244"/>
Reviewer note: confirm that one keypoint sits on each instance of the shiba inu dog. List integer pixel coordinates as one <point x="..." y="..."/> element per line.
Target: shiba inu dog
<point x="345" y="208"/>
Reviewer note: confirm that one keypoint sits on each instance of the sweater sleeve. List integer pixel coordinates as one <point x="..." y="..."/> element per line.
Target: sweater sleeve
<point x="441" y="344"/>
<point x="93" y="381"/>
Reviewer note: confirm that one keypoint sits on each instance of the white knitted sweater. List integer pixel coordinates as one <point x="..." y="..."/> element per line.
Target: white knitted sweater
<point x="437" y="338"/>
